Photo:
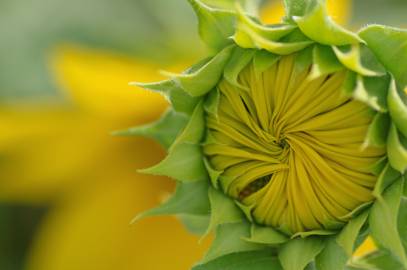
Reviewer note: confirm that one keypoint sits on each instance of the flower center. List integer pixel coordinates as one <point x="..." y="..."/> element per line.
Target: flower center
<point x="290" y="147"/>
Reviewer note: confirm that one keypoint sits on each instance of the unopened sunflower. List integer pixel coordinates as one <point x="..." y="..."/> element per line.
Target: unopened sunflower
<point x="290" y="142"/>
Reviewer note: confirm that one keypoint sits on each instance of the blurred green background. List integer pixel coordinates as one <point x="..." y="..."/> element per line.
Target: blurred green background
<point x="160" y="32"/>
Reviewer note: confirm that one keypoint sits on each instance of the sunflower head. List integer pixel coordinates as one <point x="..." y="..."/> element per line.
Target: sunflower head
<point x="290" y="141"/>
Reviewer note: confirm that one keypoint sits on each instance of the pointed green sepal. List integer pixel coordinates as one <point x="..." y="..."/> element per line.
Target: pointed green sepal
<point x="176" y="159"/>
<point x="377" y="260"/>
<point x="372" y="91"/>
<point x="347" y="237"/>
<point x="165" y="130"/>
<point x="238" y="61"/>
<point x="402" y="218"/>
<point x="213" y="174"/>
<point x="276" y="47"/>
<point x="211" y="104"/>
<point x="223" y="210"/>
<point x="390" y="47"/>
<point x="398" y="108"/>
<point x="331" y="257"/>
<point x="405" y="186"/>
<point x="246" y="27"/>
<point x="352" y="57"/>
<point x="199" y="82"/>
<point x="386" y="178"/>
<point x="195" y="224"/>
<point x="378" y="130"/>
<point x="216" y="26"/>
<point x="324" y="61"/>
<point x="249" y="260"/>
<point x="297" y="253"/>
<point x="179" y="99"/>
<point x="313" y="233"/>
<point x="183" y="201"/>
<point x="228" y="240"/>
<point x="195" y="128"/>
<point x="383" y="221"/>
<point x="295" y="8"/>
<point x="318" y="26"/>
<point x="397" y="150"/>
<point x="266" y="236"/>
<point x="263" y="60"/>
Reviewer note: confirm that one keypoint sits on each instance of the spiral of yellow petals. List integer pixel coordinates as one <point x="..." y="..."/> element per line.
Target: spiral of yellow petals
<point x="291" y="147"/>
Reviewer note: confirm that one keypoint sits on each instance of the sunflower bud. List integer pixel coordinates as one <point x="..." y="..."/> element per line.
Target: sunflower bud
<point x="290" y="142"/>
<point x="290" y="146"/>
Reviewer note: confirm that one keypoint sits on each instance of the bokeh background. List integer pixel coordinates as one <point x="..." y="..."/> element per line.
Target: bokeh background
<point x="68" y="189"/>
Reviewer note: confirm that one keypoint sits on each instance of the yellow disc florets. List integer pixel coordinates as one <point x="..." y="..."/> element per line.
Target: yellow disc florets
<point x="289" y="145"/>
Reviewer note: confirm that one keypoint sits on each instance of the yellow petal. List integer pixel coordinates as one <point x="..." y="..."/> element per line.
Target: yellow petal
<point x="274" y="11"/>
<point x="98" y="81"/>
<point x="91" y="231"/>
<point x="47" y="150"/>
<point x="368" y="246"/>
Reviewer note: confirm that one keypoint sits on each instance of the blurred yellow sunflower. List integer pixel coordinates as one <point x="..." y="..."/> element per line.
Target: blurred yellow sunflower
<point x="62" y="155"/>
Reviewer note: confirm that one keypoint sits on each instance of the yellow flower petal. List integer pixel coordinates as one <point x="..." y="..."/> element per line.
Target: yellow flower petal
<point x="98" y="81"/>
<point x="47" y="150"/>
<point x="274" y="11"/>
<point x="91" y="231"/>
<point x="368" y="246"/>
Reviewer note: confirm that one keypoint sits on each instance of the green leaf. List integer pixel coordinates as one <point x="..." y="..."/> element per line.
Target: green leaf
<point x="347" y="237"/>
<point x="223" y="210"/>
<point x="213" y="174"/>
<point x="246" y="210"/>
<point x="184" y="163"/>
<point x="331" y="257"/>
<point x="263" y="60"/>
<point x="386" y="178"/>
<point x="402" y="220"/>
<point x="250" y="260"/>
<point x="377" y="167"/>
<point x="295" y="7"/>
<point x="397" y="108"/>
<point x="165" y="130"/>
<point x="324" y="61"/>
<point x="266" y="235"/>
<point x="378" y="130"/>
<point x="397" y="150"/>
<point x="195" y="129"/>
<point x="390" y="47"/>
<point x="179" y="99"/>
<point x="405" y="186"/>
<point x="247" y="29"/>
<point x="211" y="104"/>
<point x="200" y="82"/>
<point x="349" y="84"/>
<point x="216" y="26"/>
<point x="383" y="221"/>
<point x="195" y="224"/>
<point x="318" y="26"/>
<point x="238" y="61"/>
<point x="297" y="253"/>
<point x="379" y="260"/>
<point x="252" y="39"/>
<point x="372" y="91"/>
<point x="229" y="240"/>
<point x="189" y="198"/>
<point x="352" y="58"/>
<point x="314" y="233"/>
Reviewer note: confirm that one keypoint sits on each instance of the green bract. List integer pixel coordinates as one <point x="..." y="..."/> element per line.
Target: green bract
<point x="290" y="142"/>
